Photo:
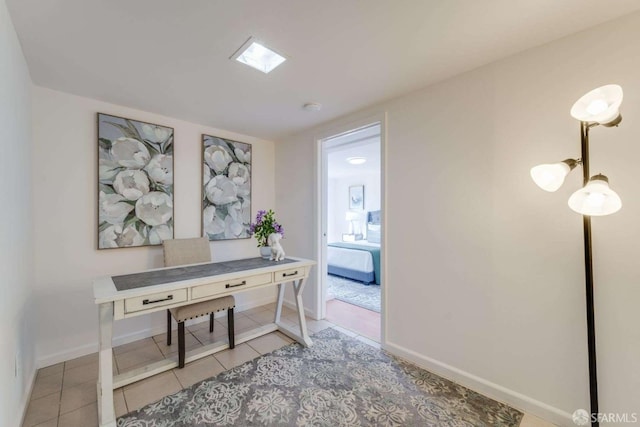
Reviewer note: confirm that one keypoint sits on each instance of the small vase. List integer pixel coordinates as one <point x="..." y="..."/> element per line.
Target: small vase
<point x="265" y="252"/>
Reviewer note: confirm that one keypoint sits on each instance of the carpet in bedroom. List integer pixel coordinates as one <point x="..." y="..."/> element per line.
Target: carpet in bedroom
<point x="353" y="292"/>
<point x="338" y="381"/>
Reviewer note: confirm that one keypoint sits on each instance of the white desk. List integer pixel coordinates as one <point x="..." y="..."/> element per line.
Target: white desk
<point x="175" y="291"/>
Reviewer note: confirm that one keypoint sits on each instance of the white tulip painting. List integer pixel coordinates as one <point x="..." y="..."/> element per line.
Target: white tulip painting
<point x="226" y="188"/>
<point x="135" y="183"/>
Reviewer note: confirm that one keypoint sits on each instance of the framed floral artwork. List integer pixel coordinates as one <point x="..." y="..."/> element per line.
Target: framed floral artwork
<point x="226" y="188"/>
<point x="135" y="183"/>
<point x="356" y="197"/>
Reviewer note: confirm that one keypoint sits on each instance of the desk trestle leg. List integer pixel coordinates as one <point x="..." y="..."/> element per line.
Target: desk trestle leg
<point x="297" y="288"/>
<point x="303" y="337"/>
<point x="276" y="318"/>
<point x="106" y="413"/>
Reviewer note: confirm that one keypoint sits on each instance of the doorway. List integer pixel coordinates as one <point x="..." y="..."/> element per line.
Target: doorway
<point x="352" y="195"/>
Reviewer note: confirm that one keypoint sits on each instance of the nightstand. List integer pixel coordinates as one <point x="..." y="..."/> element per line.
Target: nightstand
<point x="351" y="237"/>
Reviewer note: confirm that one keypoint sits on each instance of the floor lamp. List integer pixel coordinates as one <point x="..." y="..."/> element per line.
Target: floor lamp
<point x="595" y="198"/>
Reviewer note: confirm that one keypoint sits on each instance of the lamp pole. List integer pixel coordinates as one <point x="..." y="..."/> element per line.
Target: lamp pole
<point x="597" y="107"/>
<point x="588" y="270"/>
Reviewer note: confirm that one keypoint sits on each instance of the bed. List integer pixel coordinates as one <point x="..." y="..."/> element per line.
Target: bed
<point x="359" y="260"/>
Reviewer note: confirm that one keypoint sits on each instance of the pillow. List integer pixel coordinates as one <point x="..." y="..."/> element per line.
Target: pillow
<point x="373" y="233"/>
<point x="373" y="217"/>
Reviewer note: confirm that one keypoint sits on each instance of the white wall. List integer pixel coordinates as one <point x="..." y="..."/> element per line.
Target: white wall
<point x="16" y="260"/>
<point x="66" y="258"/>
<point x="486" y="270"/>
<point x="338" y="202"/>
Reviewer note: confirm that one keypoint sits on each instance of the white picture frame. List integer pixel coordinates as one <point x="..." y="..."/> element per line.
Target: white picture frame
<point x="356" y="197"/>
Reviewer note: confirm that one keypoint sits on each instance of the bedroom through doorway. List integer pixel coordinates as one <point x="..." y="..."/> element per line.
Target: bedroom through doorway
<point x="352" y="283"/>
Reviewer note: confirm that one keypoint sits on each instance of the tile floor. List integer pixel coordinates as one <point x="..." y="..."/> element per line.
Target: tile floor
<point x="64" y="395"/>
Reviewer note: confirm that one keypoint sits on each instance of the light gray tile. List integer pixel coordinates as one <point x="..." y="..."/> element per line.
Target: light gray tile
<point x="291" y="314"/>
<point x="253" y="310"/>
<point x="318" y="325"/>
<point x="291" y="324"/>
<point x="50" y="423"/>
<point x="190" y="343"/>
<point x="162" y="338"/>
<point x="288" y="310"/>
<point x="240" y="354"/>
<point x="205" y="337"/>
<point x="80" y="375"/>
<point x="150" y="390"/>
<point x="78" y="396"/>
<point x="139" y="357"/>
<point x="220" y="321"/>
<point x="134" y="345"/>
<point x="87" y="416"/>
<point x="268" y="343"/>
<point x="271" y="306"/>
<point x="244" y="324"/>
<point x="50" y="370"/>
<point x="41" y="410"/>
<point x="203" y="323"/>
<point x="47" y="385"/>
<point x="81" y="361"/>
<point x="119" y="403"/>
<point x="262" y="317"/>
<point x="198" y="370"/>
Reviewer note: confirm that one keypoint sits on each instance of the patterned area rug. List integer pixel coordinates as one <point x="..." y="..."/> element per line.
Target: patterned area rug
<point x="339" y="381"/>
<point x="353" y="292"/>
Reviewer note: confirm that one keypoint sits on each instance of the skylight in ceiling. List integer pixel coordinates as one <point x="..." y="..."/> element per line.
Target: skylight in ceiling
<point x="258" y="56"/>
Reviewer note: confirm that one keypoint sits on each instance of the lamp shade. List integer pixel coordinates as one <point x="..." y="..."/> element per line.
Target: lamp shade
<point x="600" y="106"/>
<point x="550" y="177"/>
<point x="351" y="216"/>
<point x="595" y="198"/>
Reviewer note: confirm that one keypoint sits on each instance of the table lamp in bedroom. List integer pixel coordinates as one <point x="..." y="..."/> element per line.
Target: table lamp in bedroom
<point x="354" y="224"/>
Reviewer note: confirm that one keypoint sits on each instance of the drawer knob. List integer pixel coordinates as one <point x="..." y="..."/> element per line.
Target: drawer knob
<point x="290" y="274"/>
<point x="148" y="301"/>
<point x="228" y="285"/>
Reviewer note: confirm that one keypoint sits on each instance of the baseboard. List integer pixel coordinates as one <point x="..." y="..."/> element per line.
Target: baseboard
<point x="482" y="386"/>
<point x="307" y="311"/>
<point x="24" y="401"/>
<point x="67" y="354"/>
<point x="86" y="349"/>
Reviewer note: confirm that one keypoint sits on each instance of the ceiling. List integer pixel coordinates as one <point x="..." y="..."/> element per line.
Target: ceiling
<point x="172" y="57"/>
<point x="364" y="142"/>
<point x="339" y="167"/>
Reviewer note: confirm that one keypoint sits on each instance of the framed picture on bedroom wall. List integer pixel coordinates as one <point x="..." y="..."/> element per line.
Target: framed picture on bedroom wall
<point x="135" y="182"/>
<point x="226" y="188"/>
<point x="356" y="197"/>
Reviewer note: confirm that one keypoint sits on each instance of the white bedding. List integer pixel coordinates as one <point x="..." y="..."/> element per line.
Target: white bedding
<point x="352" y="259"/>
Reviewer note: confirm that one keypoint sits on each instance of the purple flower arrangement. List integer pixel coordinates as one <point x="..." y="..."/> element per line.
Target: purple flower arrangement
<point x="265" y="224"/>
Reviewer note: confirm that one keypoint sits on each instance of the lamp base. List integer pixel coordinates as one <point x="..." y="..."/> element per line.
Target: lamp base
<point x="351" y="237"/>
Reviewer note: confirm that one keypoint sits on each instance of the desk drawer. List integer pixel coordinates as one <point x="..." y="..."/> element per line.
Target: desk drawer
<point x="229" y="286"/>
<point x="155" y="300"/>
<point x="291" y="274"/>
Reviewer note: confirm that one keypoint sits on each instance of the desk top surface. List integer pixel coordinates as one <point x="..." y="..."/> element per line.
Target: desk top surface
<point x="170" y="275"/>
<point x="112" y="288"/>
